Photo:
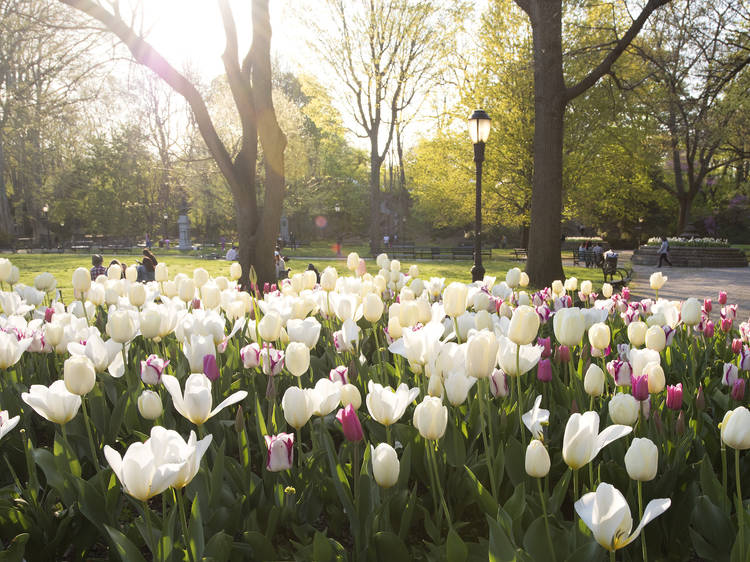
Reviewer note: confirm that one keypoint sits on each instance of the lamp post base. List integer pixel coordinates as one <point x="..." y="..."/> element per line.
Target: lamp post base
<point x="477" y="272"/>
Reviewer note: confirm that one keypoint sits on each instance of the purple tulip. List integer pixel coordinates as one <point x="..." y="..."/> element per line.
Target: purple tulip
<point x="669" y="333"/>
<point x="250" y="355"/>
<point x="680" y="425"/>
<point x="700" y="399"/>
<point x="546" y="346"/>
<point x="544" y="370"/>
<point x="674" y="396"/>
<point x="499" y="383"/>
<point x="195" y="304"/>
<point x="708" y="331"/>
<point x="280" y="451"/>
<point x="738" y="390"/>
<point x="48" y="313"/>
<point x="639" y="387"/>
<point x="210" y="368"/>
<point x="350" y="423"/>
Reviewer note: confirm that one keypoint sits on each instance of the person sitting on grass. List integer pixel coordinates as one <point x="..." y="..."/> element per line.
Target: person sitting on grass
<point x="98" y="269"/>
<point x="146" y="270"/>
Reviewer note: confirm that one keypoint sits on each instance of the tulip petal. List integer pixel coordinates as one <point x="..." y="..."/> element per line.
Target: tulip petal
<point x="115" y="461"/>
<point x="117" y="366"/>
<point x="233" y="399"/>
<point x="8" y="426"/>
<point x="585" y="509"/>
<point x="607" y="436"/>
<point x="653" y="510"/>
<point x="173" y="387"/>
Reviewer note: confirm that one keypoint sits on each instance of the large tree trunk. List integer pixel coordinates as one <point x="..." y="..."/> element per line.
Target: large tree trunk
<point x="683" y="218"/>
<point x="544" y="264"/>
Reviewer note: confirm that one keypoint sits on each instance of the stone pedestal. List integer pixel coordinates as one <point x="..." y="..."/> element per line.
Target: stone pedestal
<point x="183" y="224"/>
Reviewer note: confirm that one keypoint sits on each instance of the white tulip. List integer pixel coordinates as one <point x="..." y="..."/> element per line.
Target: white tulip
<point x="195" y="404"/>
<point x="582" y="440"/>
<point x="54" y="403"/>
<point x="385" y="405"/>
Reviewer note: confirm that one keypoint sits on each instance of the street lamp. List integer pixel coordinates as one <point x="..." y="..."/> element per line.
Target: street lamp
<point x="479" y="130"/>
<point x="45" y="219"/>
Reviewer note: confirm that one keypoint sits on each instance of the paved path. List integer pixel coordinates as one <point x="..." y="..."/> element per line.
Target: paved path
<point x="684" y="282"/>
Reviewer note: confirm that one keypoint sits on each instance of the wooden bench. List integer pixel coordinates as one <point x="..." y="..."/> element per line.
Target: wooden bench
<point x="520" y="253"/>
<point x="618" y="276"/>
<point x="433" y="252"/>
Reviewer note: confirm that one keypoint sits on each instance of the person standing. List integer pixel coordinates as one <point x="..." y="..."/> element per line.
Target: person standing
<point x="663" y="252"/>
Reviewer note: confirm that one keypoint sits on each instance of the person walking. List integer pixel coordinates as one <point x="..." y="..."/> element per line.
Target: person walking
<point x="663" y="252"/>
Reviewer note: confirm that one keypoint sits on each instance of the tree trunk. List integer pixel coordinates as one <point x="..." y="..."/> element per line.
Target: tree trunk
<point x="544" y="263"/>
<point x="7" y="227"/>
<point x="683" y="218"/>
<point x="375" y="163"/>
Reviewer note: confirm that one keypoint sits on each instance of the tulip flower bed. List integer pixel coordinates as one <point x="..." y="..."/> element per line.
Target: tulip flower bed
<point x="370" y="417"/>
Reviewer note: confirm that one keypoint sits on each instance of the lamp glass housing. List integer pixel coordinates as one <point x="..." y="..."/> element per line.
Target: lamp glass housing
<point x="479" y="126"/>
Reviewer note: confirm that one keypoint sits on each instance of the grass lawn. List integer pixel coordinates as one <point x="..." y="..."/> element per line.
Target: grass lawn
<point x="62" y="266"/>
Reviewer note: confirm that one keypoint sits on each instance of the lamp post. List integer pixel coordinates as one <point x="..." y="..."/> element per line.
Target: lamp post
<point x="479" y="130"/>
<point x="45" y="219"/>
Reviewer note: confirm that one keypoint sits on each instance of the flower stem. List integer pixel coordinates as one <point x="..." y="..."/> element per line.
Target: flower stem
<point x="640" y="513"/>
<point x="740" y="506"/>
<point x="487" y="456"/>
<point x="87" y="422"/>
<point x="155" y="548"/>
<point x="437" y="482"/>
<point x="520" y="413"/>
<point x="388" y="434"/>
<point x="612" y="556"/>
<point x="455" y="327"/>
<point x="546" y="521"/>
<point x="183" y="522"/>
<point x="724" y="467"/>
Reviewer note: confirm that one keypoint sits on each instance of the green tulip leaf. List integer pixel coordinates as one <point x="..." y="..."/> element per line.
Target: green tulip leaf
<point x="484" y="497"/>
<point x="322" y="549"/>
<point x="16" y="549"/>
<point x="219" y="547"/>
<point x="559" y="492"/>
<point x="711" y="530"/>
<point x="262" y="547"/>
<point x="196" y="542"/>
<point x="124" y="547"/>
<point x="501" y="548"/>
<point x="457" y="550"/>
<point x="389" y="546"/>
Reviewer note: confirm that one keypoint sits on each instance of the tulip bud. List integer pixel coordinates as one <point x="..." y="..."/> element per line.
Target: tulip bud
<point x="137" y="294"/>
<point x="513" y="277"/>
<point x="587" y="288"/>
<point x="738" y="390"/>
<point x="730" y="374"/>
<point x="481" y="354"/>
<point x="350" y="395"/>
<point x="152" y="369"/>
<point x="328" y="279"/>
<point x="350" y="424"/>
<point x="81" y="280"/>
<point x="394" y="328"/>
<point x="593" y="381"/>
<point x="544" y="370"/>
<point x="352" y="261"/>
<point x="722" y="297"/>
<point x="562" y="354"/>
<point x="269" y="327"/>
<point x="674" y="396"/>
<point x="656" y="339"/>
<point x="250" y="355"/>
<point x="546" y="346"/>
<point x="680" y="425"/>
<point x="431" y="418"/>
<point x="736" y="346"/>
<point x="642" y="460"/>
<point x="280" y="452"/>
<point x="655" y="375"/>
<point x="210" y="368"/>
<point x="690" y="311"/>
<point x="524" y="281"/>
<point x="297" y="358"/>
<point x="149" y="405"/>
<point x="639" y="387"/>
<point x="726" y="324"/>
<point x="637" y="333"/>
<point x="499" y="383"/>
<point x="623" y="409"/>
<point x="79" y="374"/>
<point x="708" y="331"/>
<point x="454" y="299"/>
<point x="339" y="374"/>
<point x="620" y="371"/>
<point x="607" y="290"/>
<point x="150" y="323"/>
<point x="385" y="465"/>
<point x="524" y="325"/>
<point x="131" y="273"/>
<point x="120" y="326"/>
<point x="599" y="335"/>
<point x="707" y="306"/>
<point x="161" y="273"/>
<point x="700" y="399"/>
<point x="537" y="459"/>
<point x="735" y="426"/>
<point x="372" y="307"/>
<point x="296" y="406"/>
<point x="557" y="287"/>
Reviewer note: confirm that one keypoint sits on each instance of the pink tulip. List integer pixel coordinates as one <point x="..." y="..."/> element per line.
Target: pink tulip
<point x="361" y="267"/>
<point x="736" y="346"/>
<point x="625" y="293"/>
<point x="707" y="306"/>
<point x="280" y="452"/>
<point x="738" y="390"/>
<point x="708" y="331"/>
<point x="722" y="297"/>
<point x="563" y="354"/>
<point x="350" y="423"/>
<point x="48" y="313"/>
<point x="674" y="396"/>
<point x="726" y="324"/>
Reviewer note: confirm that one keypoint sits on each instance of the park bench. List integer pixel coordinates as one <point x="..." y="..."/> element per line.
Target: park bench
<point x="520" y="253"/>
<point x="618" y="276"/>
<point x="433" y="252"/>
